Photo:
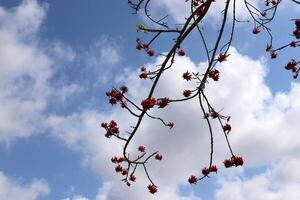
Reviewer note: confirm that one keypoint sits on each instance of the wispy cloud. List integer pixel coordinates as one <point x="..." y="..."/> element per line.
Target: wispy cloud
<point x="14" y="189"/>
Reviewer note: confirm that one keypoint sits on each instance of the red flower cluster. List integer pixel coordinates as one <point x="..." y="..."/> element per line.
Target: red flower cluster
<point x="273" y="54"/>
<point x="118" y="168"/>
<point x="187" y="76"/>
<point x="144" y="73"/>
<point x="148" y="103"/>
<point x="132" y="178"/>
<point x="255" y="30"/>
<point x="196" y="2"/>
<point x="293" y="44"/>
<point x="170" y="124"/>
<point x="181" y="52"/>
<point x="115" y="96"/>
<point x="111" y="128"/>
<point x="192" y="179"/>
<point x="124" y="89"/>
<point x="234" y="161"/>
<point x="214" y="114"/>
<point x="124" y="172"/>
<point x="222" y="57"/>
<point x="213" y="168"/>
<point x="297" y="31"/>
<point x="158" y="156"/>
<point x="199" y="11"/>
<point x="152" y="188"/>
<point x="141" y="149"/>
<point x="227" y="128"/>
<point x="206" y="171"/>
<point x="214" y="74"/>
<point x="187" y="93"/>
<point x="269" y="47"/>
<point x="117" y="160"/>
<point x="140" y="45"/>
<point x="150" y="52"/>
<point x="268" y="2"/>
<point x="163" y="102"/>
<point x="291" y="66"/>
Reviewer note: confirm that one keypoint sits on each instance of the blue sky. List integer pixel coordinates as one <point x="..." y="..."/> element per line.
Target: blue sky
<point x="57" y="59"/>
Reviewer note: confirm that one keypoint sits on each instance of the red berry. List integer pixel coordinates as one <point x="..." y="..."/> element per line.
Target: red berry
<point x="255" y="31"/>
<point x="158" y="156"/>
<point x="192" y="179"/>
<point x="152" y="188"/>
<point x="132" y="178"/>
<point x="148" y="103"/>
<point x="205" y="171"/>
<point x="213" y="168"/>
<point x="228" y="163"/>
<point x="118" y="168"/>
<point x="163" y="102"/>
<point x="238" y="161"/>
<point x="187" y="76"/>
<point x="227" y="128"/>
<point x="150" y="52"/>
<point x="142" y="149"/>
<point x="187" y="93"/>
<point x="181" y="53"/>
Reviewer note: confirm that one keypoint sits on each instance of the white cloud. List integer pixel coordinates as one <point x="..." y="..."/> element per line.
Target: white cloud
<point x="14" y="189"/>
<point x="179" y="9"/>
<point x="280" y="182"/>
<point x="25" y="70"/>
<point x="77" y="197"/>
<point x="264" y="127"/>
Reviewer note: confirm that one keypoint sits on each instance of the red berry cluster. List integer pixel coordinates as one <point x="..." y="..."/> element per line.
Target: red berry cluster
<point x="271" y="2"/>
<point x="212" y="114"/>
<point x="181" y="52"/>
<point x="163" y="102"/>
<point x="142" y="149"/>
<point x="206" y="171"/>
<point x="297" y="31"/>
<point x="187" y="93"/>
<point x="214" y="74"/>
<point x="192" y="179"/>
<point x="197" y="2"/>
<point x="234" y="161"/>
<point x="140" y="45"/>
<point x="152" y="188"/>
<point x="116" y="96"/>
<point x="255" y="30"/>
<point x="144" y="73"/>
<point x="187" y="76"/>
<point x="170" y="124"/>
<point x="222" y="57"/>
<point x="121" y="170"/>
<point x="227" y="128"/>
<point x="148" y="103"/>
<point x="158" y="157"/>
<point x="111" y="128"/>
<point x="291" y="65"/>
<point x="269" y="48"/>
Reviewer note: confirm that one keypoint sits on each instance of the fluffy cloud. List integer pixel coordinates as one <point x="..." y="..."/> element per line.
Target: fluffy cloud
<point x="280" y="182"/>
<point x="25" y="70"/>
<point x="14" y="189"/>
<point x="77" y="197"/>
<point x="179" y="9"/>
<point x="260" y="122"/>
